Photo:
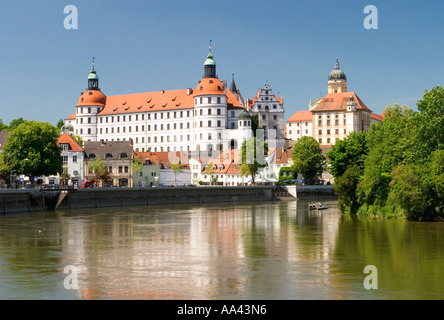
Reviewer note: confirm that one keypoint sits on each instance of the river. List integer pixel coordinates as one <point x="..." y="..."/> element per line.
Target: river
<point x="268" y="250"/>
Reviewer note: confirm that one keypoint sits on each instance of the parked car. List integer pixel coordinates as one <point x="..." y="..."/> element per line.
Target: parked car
<point x="88" y="184"/>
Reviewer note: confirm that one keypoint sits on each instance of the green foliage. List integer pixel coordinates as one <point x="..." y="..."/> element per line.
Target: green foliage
<point x="137" y="165"/>
<point x="78" y="139"/>
<point x="287" y="173"/>
<point x="403" y="171"/>
<point x="210" y="171"/>
<point x="178" y="168"/>
<point x="60" y="124"/>
<point x="348" y="152"/>
<point x="345" y="187"/>
<point x="254" y="123"/>
<point x="3" y="127"/>
<point x="253" y="156"/>
<point x="307" y="157"/>
<point x="100" y="171"/>
<point x="31" y="148"/>
<point x="15" y="123"/>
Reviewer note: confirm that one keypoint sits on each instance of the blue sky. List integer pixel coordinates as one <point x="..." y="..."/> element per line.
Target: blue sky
<point x="152" y="45"/>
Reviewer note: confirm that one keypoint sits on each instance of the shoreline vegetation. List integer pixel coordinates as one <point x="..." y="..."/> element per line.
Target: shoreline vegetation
<point x="396" y="170"/>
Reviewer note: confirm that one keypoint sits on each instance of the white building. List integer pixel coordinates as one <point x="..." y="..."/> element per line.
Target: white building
<point x="202" y="119"/>
<point x="300" y="125"/>
<point x="73" y="156"/>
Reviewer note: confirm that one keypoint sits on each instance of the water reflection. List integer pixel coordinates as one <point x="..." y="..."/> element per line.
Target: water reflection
<point x="276" y="250"/>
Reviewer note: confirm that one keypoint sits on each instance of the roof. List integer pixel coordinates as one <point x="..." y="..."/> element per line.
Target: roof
<point x="65" y="138"/>
<point x="280" y="155"/>
<point x="148" y="101"/>
<point x="164" y="158"/>
<point x="301" y="116"/>
<point x="115" y="148"/>
<point x="209" y="86"/>
<point x="338" y="102"/>
<point x="154" y="101"/>
<point x="377" y="117"/>
<point x="92" y="98"/>
<point x="252" y="102"/>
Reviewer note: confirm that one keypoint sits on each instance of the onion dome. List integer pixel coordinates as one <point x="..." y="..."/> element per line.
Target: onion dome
<point x="337" y="73"/>
<point x="92" y="98"/>
<point x="67" y="127"/>
<point x="244" y="116"/>
<point x="209" y="86"/>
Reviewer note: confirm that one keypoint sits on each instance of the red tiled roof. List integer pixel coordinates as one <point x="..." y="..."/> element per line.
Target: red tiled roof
<point x="338" y="102"/>
<point x="156" y="101"/>
<point x="378" y="117"/>
<point x="301" y="116"/>
<point x="92" y="98"/>
<point x="65" y="138"/>
<point x="72" y="117"/>
<point x="164" y="158"/>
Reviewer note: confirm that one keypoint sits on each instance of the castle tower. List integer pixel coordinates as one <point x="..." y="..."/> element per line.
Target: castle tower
<point x="337" y="81"/>
<point x="90" y="103"/>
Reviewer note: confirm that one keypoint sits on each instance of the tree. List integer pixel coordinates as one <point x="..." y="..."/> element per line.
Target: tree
<point x="176" y="168"/>
<point x="3" y="127"/>
<point x="60" y="124"/>
<point x="345" y="187"/>
<point x="307" y="157"/>
<point x="101" y="173"/>
<point x="31" y="148"/>
<point x="210" y="171"/>
<point x="15" y="123"/>
<point x="136" y="166"/>
<point x="254" y="151"/>
<point x="348" y="152"/>
<point x="78" y="139"/>
<point x="254" y="123"/>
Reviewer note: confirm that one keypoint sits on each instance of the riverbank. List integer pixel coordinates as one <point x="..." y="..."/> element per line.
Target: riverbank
<point x="16" y="201"/>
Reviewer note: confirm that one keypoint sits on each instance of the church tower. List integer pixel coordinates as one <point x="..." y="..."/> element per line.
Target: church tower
<point x="337" y="81"/>
<point x="93" y="79"/>
<point x="210" y="66"/>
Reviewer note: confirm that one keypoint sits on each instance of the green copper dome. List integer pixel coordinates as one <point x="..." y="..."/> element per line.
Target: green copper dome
<point x="244" y="116"/>
<point x="337" y="73"/>
<point x="210" y="61"/>
<point x="93" y="75"/>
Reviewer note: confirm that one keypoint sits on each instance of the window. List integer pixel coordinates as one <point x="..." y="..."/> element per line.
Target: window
<point x="219" y="124"/>
<point x="209" y="112"/>
<point x="65" y="160"/>
<point x="275" y="117"/>
<point x="263" y="117"/>
<point x="126" y="169"/>
<point x="120" y="169"/>
<point x="74" y="158"/>
<point x="218" y="99"/>
<point x="337" y="131"/>
<point x="209" y="123"/>
<point x="320" y="132"/>
<point x="201" y="112"/>
<point x="123" y="155"/>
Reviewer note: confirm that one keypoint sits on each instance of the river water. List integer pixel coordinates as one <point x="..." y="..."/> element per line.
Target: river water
<point x="269" y="250"/>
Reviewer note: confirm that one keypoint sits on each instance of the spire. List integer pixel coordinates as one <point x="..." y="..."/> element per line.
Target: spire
<point x="210" y="65"/>
<point x="233" y="87"/>
<point x="337" y="63"/>
<point x="93" y="79"/>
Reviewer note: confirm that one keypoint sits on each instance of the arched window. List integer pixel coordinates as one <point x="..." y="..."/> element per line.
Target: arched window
<point x="124" y="155"/>
<point x="108" y="156"/>
<point x="92" y="156"/>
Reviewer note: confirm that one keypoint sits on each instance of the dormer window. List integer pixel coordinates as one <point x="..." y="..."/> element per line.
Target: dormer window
<point x="123" y="156"/>
<point x="92" y="156"/>
<point x="108" y="156"/>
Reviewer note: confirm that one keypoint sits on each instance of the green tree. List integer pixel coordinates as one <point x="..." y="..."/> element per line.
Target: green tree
<point x="254" y="123"/>
<point x="307" y="157"/>
<point x="31" y="148"/>
<point x="100" y="171"/>
<point x="3" y="127"/>
<point x="348" y="152"/>
<point x="15" y="123"/>
<point x="345" y="187"/>
<point x="253" y="151"/>
<point x="389" y="145"/>
<point x="210" y="171"/>
<point x="60" y="124"/>
<point x="78" y="139"/>
<point x="176" y="168"/>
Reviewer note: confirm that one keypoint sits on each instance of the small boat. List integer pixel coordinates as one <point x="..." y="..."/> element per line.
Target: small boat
<point x="319" y="206"/>
<point x="316" y="206"/>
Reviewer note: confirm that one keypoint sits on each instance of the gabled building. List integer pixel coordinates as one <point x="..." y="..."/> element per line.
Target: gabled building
<point x="117" y="157"/>
<point x="73" y="156"/>
<point x="270" y="110"/>
<point x="300" y="125"/>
